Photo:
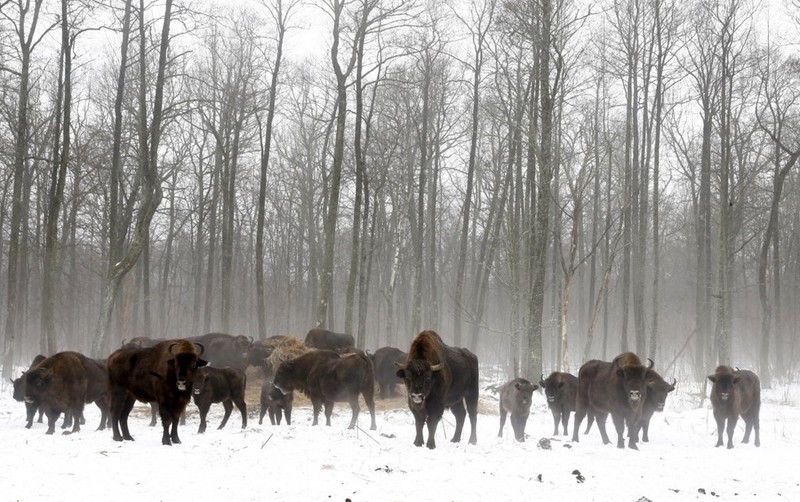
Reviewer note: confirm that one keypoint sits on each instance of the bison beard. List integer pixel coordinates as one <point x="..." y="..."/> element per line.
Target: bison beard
<point x="162" y="373"/>
<point x="617" y="388"/>
<point x="736" y="393"/>
<point x="436" y="377"/>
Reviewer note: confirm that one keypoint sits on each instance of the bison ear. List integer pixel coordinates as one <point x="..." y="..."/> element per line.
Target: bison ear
<point x="201" y="363"/>
<point x="620" y="372"/>
<point x="535" y="387"/>
<point x="735" y="380"/>
<point x="437" y="367"/>
<point x="517" y="386"/>
<point x="713" y="378"/>
<point x="171" y="363"/>
<point x="401" y="373"/>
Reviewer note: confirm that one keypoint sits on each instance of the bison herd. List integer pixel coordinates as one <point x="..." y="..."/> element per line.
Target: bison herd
<point x="327" y="368"/>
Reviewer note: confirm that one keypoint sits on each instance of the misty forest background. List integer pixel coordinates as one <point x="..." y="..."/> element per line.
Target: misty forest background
<point x="542" y="181"/>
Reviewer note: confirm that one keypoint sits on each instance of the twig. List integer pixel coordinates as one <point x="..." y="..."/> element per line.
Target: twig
<point x="267" y="441"/>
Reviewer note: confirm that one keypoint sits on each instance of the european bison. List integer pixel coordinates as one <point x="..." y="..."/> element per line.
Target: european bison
<point x="19" y="394"/>
<point x="618" y="388"/>
<point x="326" y="377"/>
<point x="222" y="350"/>
<point x="561" y="391"/>
<point x="318" y="338"/>
<point x="735" y="393"/>
<point x="657" y="391"/>
<point x="63" y="383"/>
<point x="515" y="398"/>
<point x="219" y="385"/>
<point x="163" y="373"/>
<point x="438" y="376"/>
<point x="275" y="402"/>
<point x="384" y="360"/>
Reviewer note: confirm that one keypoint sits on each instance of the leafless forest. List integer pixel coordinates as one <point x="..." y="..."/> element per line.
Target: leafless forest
<point x="544" y="181"/>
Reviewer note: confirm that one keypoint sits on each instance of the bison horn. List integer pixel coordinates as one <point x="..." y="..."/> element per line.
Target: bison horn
<point x="400" y="366"/>
<point x="200" y="348"/>
<point x="674" y="381"/>
<point x="650" y="366"/>
<point x="124" y="342"/>
<point x="437" y="367"/>
<point x="169" y="349"/>
<point x="251" y="339"/>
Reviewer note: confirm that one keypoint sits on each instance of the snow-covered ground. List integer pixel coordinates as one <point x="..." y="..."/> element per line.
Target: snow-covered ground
<point x="305" y="463"/>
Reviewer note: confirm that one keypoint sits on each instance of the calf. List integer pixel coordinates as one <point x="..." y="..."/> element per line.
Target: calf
<point x="219" y="385"/>
<point x="515" y="398"/>
<point x="273" y="401"/>
<point x="561" y="390"/>
<point x="733" y="394"/>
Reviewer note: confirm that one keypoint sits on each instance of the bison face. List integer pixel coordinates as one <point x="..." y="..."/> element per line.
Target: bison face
<point x="418" y="377"/>
<point x="200" y="382"/>
<point x="19" y="388"/>
<point x="552" y="390"/>
<point x="36" y="383"/>
<point x="723" y="385"/>
<point x="524" y="393"/>
<point x="282" y="380"/>
<point x="657" y="392"/>
<point x="634" y="385"/>
<point x="184" y="365"/>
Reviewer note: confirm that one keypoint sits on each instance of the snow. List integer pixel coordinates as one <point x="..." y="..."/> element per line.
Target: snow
<point x="305" y="463"/>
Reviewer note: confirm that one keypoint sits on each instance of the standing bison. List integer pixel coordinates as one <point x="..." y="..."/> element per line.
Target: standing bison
<point x="735" y="393"/>
<point x="384" y="360"/>
<point x="515" y="398"/>
<point x="275" y="402"/>
<point x="437" y="377"/>
<point x="318" y="338"/>
<point x="657" y="392"/>
<point x="219" y="385"/>
<point x="618" y="388"/>
<point x="163" y="373"/>
<point x="561" y="390"/>
<point x="63" y="383"/>
<point x="19" y="394"/>
<point x="326" y="377"/>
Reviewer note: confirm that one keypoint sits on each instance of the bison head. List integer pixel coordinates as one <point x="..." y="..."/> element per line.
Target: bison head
<point x="19" y="387"/>
<point x="634" y="381"/>
<point x="524" y="392"/>
<point x="658" y="390"/>
<point x="418" y="376"/>
<point x="283" y="377"/>
<point x="200" y="382"/>
<point x="724" y="382"/>
<point x="36" y="382"/>
<point x="553" y="388"/>
<point x="184" y="364"/>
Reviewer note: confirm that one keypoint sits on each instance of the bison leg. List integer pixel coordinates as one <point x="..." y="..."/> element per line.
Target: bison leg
<point x="272" y="415"/>
<point x="419" y="423"/>
<point x="731" y="428"/>
<point x="102" y="403"/>
<point x="52" y="416"/>
<point x="434" y="416"/>
<point x="460" y="413"/>
<point x="720" y="419"/>
<point x="203" y="407"/>
<point x="41" y="414"/>
<point x="619" y="425"/>
<point x="503" y="414"/>
<point x="556" y="417"/>
<point x="77" y="411"/>
<point x="645" y="429"/>
<point x="228" y="405"/>
<point x="519" y="422"/>
<point x="30" y="413"/>
<point x="239" y="402"/>
<point x="354" y="408"/>
<point x="580" y="413"/>
<point x="369" y="398"/>
<point x="67" y="423"/>
<point x="288" y="412"/>
<point x="329" y="411"/>
<point x="316" y="404"/>
<point x="564" y="422"/>
<point x="601" y="418"/>
<point x="153" y="414"/>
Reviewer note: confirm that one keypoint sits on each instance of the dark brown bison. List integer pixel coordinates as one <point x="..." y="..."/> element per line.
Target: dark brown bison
<point x="163" y="373"/>
<point x="384" y="360"/>
<point x="223" y="350"/>
<point x="63" y="383"/>
<point x="515" y="398"/>
<point x="437" y="377"/>
<point x="561" y="390"/>
<point x="219" y="385"/>
<point x="326" y="377"/>
<point x="618" y="388"/>
<point x="318" y="338"/>
<point x="19" y="394"/>
<point x="735" y="393"/>
<point x="657" y="391"/>
<point x="275" y="402"/>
